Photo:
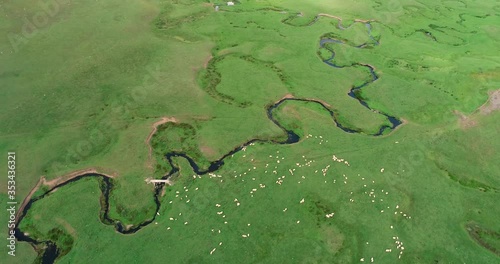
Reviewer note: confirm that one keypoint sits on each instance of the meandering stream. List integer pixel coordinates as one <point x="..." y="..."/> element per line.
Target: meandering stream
<point x="51" y="251"/>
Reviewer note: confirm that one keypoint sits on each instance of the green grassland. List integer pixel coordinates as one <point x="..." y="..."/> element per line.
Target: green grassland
<point x="83" y="89"/>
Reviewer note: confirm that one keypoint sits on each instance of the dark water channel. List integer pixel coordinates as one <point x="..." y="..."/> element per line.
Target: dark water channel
<point x="50" y="252"/>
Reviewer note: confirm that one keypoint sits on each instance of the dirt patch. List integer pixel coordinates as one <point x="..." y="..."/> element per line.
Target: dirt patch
<point x="334" y="239"/>
<point x="291" y="111"/>
<point x="208" y="151"/>
<point x="67" y="226"/>
<point x="492" y="104"/>
<point x="28" y="198"/>
<point x="465" y="122"/>
<point x="322" y="102"/>
<point x="487" y="108"/>
<point x="60" y="180"/>
<point x="288" y="95"/>
<point x="205" y="64"/>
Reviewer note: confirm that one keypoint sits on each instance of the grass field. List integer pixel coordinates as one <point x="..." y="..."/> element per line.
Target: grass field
<point x="83" y="88"/>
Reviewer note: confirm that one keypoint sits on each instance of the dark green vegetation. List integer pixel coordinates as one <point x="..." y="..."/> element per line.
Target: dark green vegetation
<point x="84" y="90"/>
<point x="487" y="238"/>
